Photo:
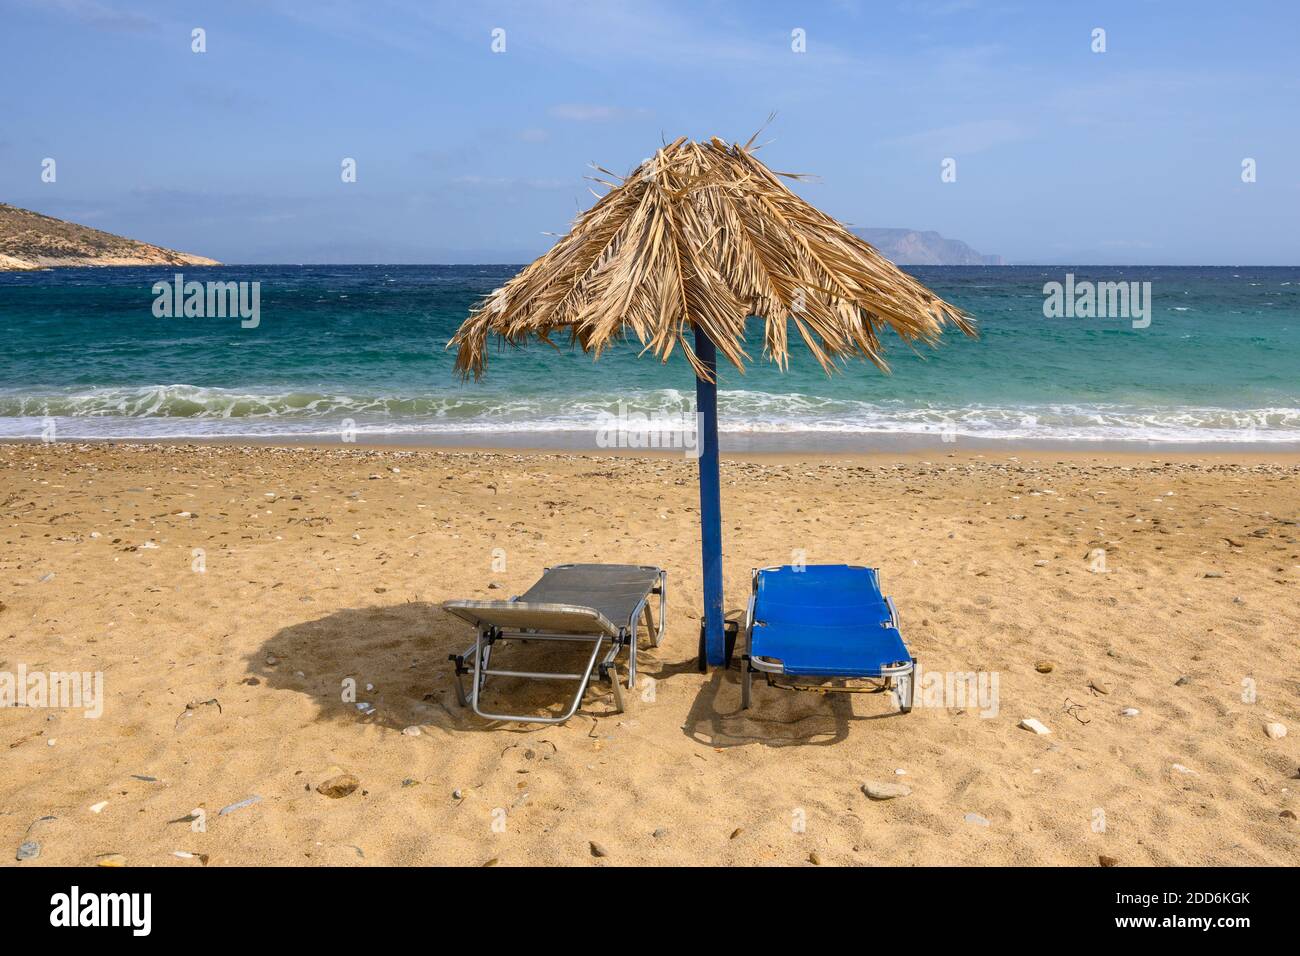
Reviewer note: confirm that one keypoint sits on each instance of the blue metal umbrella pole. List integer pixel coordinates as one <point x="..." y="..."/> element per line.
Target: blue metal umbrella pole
<point x="706" y="406"/>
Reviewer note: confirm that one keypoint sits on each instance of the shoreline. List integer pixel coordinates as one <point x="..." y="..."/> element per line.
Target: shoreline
<point x="792" y="448"/>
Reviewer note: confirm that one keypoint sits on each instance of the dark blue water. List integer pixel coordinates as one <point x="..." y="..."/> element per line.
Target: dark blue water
<point x="1219" y="361"/>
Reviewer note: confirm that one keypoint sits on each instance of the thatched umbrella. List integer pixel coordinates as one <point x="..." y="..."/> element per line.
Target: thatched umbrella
<point x="698" y="238"/>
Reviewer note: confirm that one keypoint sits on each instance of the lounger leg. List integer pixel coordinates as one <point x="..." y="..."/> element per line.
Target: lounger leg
<point x="907" y="690"/>
<point x="631" y="664"/>
<point x="611" y="674"/>
<point x="746" y="682"/>
<point x="657" y="634"/>
<point x="460" y="690"/>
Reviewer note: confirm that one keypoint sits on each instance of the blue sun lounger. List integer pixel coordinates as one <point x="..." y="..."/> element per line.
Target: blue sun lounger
<point x="820" y="623"/>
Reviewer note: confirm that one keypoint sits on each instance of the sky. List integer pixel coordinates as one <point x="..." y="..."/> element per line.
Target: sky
<point x="473" y="145"/>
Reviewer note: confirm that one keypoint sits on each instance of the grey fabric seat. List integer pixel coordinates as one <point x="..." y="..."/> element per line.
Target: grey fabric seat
<point x="587" y="603"/>
<point x="615" y="590"/>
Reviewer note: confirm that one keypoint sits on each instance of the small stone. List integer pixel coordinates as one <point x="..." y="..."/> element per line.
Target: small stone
<point x="112" y="860"/>
<point x="1179" y="768"/>
<point x="877" y="790"/>
<point x="596" y="849"/>
<point x="1044" y="667"/>
<point x="1036" y="726"/>
<point x="1129" y="712"/>
<point x="814" y="859"/>
<point x="1212" y="574"/>
<point x="28" y="851"/>
<point x="411" y="731"/>
<point x="47" y="578"/>
<point x="1182" y="682"/>
<point x="1098" y="685"/>
<point x="1275" y="731"/>
<point x="272" y="660"/>
<point x="1105" y="860"/>
<point x="457" y="795"/>
<point x="99" y="807"/>
<point x="976" y="819"/>
<point x="736" y="832"/>
<point x="1285" y="815"/>
<point x="660" y="833"/>
<point x="493" y="586"/>
<point x="338" y="786"/>
<point x="492" y="862"/>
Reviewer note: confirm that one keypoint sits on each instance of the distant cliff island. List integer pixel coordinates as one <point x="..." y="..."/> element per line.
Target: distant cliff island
<point x="29" y="240"/>
<point x="908" y="247"/>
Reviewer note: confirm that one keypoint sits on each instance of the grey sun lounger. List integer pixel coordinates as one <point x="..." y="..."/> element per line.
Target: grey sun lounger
<point x="599" y="605"/>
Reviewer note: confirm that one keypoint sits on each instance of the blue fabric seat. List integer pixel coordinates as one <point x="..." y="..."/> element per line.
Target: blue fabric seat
<point x="824" y="621"/>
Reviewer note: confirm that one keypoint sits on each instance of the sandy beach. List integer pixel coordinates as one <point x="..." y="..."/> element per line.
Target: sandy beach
<point x="228" y="593"/>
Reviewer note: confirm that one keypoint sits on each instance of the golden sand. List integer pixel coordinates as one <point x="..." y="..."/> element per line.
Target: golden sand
<point x="224" y="667"/>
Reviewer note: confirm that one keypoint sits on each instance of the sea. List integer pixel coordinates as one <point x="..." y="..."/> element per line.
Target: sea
<point x="360" y="353"/>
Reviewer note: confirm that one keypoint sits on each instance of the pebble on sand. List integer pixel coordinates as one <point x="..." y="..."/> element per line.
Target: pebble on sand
<point x="99" y="807"/>
<point x="1275" y="731"/>
<point x="877" y="790"/>
<point x="597" y="849"/>
<point x="28" y="851"/>
<point x="411" y="731"/>
<point x="338" y="786"/>
<point x="1044" y="667"/>
<point x="1105" y="860"/>
<point x="1130" y="712"/>
<point x="1036" y="726"/>
<point x="976" y="819"/>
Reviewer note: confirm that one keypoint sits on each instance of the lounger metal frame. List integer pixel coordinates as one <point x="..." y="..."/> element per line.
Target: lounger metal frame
<point x="900" y="675"/>
<point x="618" y="637"/>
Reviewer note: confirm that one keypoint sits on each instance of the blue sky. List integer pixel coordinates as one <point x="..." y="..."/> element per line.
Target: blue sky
<point x="465" y="155"/>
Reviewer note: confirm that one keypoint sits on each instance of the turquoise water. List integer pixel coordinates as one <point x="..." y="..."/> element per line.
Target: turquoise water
<point x="1220" y="362"/>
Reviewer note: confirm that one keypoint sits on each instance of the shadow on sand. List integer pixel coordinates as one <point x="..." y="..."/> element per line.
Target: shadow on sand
<point x="396" y="658"/>
<point x="400" y="652"/>
<point x="777" y="717"/>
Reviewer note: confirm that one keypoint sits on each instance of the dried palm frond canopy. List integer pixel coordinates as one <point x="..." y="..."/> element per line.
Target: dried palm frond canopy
<point x="705" y="234"/>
